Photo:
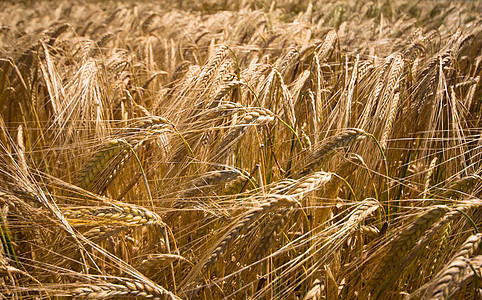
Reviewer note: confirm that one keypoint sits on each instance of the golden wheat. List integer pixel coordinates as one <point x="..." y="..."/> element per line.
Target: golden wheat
<point x="230" y="134"/>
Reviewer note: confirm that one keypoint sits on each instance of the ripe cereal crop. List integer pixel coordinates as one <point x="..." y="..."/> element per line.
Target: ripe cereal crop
<point x="249" y="149"/>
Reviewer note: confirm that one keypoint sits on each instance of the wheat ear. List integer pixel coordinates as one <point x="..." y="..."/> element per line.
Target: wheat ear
<point x="155" y="259"/>
<point x="115" y="153"/>
<point x="127" y="288"/>
<point x="245" y="221"/>
<point x="452" y="215"/>
<point x="448" y="281"/>
<point x="255" y="116"/>
<point x="271" y="233"/>
<point x="428" y="176"/>
<point x="308" y="184"/>
<point x="213" y="63"/>
<point x="202" y="185"/>
<point x="316" y="292"/>
<point x="100" y="233"/>
<point x="399" y="246"/>
<point x="343" y="170"/>
<point x="391" y="117"/>
<point x="237" y="186"/>
<point x="298" y="190"/>
<point x="370" y="231"/>
<point x="112" y="215"/>
<point x="324" y="49"/>
<point x="223" y="91"/>
<point x="340" y="140"/>
<point x="208" y="181"/>
<point x="457" y="188"/>
<point x="363" y="210"/>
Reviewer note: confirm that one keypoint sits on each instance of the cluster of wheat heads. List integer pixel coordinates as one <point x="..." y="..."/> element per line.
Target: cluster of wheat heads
<point x="257" y="150"/>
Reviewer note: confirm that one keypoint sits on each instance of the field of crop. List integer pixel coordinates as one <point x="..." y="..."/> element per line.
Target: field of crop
<point x="250" y="149"/>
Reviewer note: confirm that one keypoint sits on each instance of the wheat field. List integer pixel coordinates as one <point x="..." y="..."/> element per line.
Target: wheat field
<point x="247" y="149"/>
